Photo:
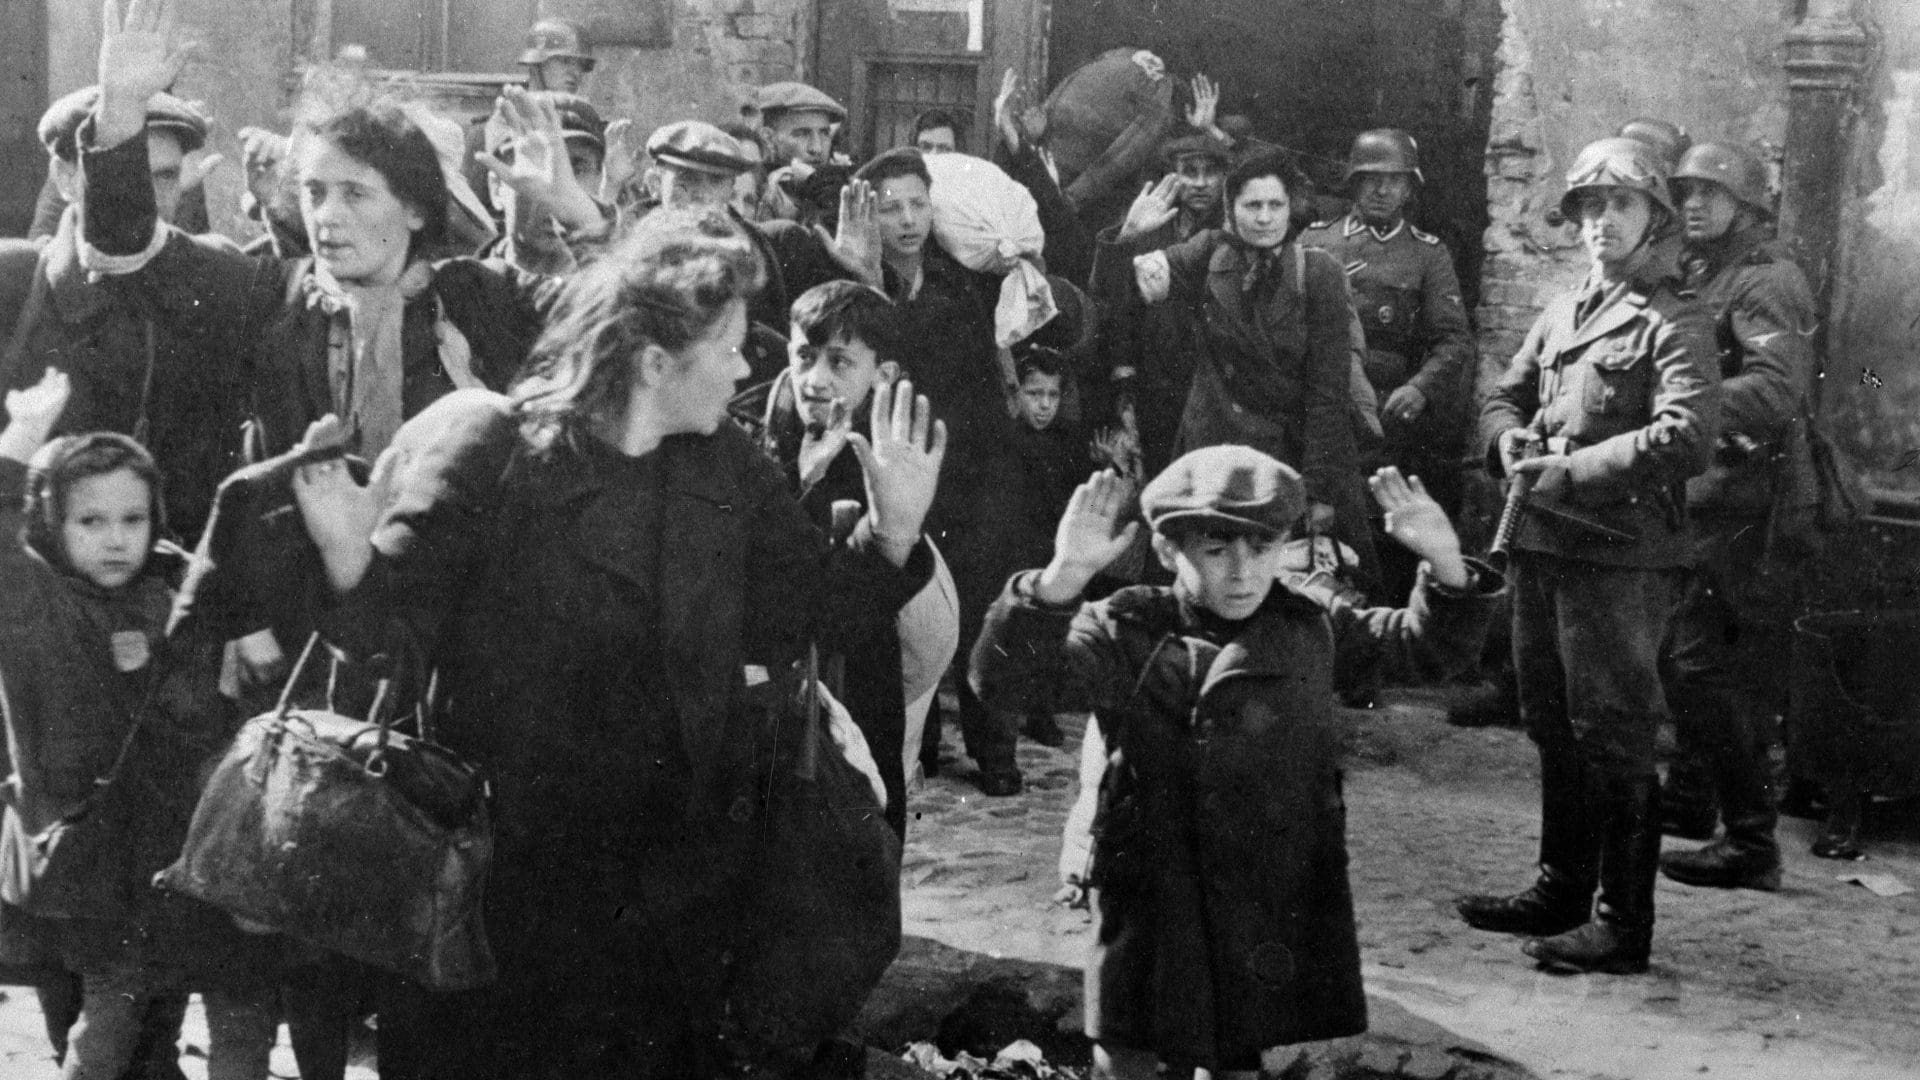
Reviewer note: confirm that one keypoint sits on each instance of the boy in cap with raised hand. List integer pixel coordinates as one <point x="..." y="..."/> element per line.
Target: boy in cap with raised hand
<point x="1211" y="832"/>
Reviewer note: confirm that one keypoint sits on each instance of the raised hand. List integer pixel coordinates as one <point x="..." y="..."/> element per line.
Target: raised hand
<point x="901" y="460"/>
<point x="38" y="407"/>
<point x="1089" y="537"/>
<point x="1204" y="111"/>
<point x="855" y="244"/>
<point x="1157" y="204"/>
<point x="139" y="57"/>
<point x="621" y="161"/>
<point x="340" y="515"/>
<point x="1418" y="523"/>
<point x="262" y="154"/>
<point x="32" y="412"/>
<point x="540" y="173"/>
<point x="1003" y="104"/>
<point x="823" y="443"/>
<point x="197" y="168"/>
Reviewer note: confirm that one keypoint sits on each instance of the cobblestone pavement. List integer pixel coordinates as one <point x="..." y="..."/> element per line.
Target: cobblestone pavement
<point x="1818" y="980"/>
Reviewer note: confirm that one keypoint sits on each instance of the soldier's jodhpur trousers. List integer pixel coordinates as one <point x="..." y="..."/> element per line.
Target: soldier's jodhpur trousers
<point x="1726" y="678"/>
<point x="1586" y="640"/>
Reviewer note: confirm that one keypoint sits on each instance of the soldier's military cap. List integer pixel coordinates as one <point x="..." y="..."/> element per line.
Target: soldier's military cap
<point x="1232" y="488"/>
<point x="550" y="38"/>
<point x="62" y="120"/>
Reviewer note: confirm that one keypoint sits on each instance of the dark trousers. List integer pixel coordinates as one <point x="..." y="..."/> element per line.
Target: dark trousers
<point x="1725" y="675"/>
<point x="1586" y="648"/>
<point x="980" y="533"/>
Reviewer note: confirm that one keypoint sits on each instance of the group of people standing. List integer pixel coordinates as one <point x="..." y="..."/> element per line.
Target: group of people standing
<point x="565" y="508"/>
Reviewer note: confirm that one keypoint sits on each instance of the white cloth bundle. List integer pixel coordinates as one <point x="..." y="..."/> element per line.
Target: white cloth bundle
<point x="988" y="222"/>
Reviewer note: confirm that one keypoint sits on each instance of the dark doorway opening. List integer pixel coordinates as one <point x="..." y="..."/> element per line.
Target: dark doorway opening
<point x="1312" y="73"/>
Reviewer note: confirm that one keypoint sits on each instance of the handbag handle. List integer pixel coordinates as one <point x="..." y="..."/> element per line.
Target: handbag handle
<point x="378" y="714"/>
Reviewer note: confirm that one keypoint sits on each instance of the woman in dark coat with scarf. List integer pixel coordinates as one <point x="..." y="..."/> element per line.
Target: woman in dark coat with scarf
<point x="606" y="574"/>
<point x="1271" y="321"/>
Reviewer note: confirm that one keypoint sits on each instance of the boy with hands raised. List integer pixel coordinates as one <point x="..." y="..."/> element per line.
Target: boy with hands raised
<point x="1211" y="834"/>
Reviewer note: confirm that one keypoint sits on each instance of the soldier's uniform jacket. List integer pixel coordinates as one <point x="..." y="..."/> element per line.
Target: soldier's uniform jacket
<point x="1626" y="377"/>
<point x="1763" y="318"/>
<point x="1409" y="302"/>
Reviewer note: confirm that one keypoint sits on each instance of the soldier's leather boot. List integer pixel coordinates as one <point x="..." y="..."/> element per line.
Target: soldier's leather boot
<point x="1554" y="904"/>
<point x="1599" y="946"/>
<point x="1620" y="937"/>
<point x="1748" y="856"/>
<point x="1562" y="897"/>
<point x="1688" y="809"/>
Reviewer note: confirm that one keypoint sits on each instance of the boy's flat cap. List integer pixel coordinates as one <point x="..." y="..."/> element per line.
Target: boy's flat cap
<point x="1201" y="145"/>
<point x="692" y="144"/>
<point x="798" y="97"/>
<point x="1233" y="487"/>
<point x="62" y="120"/>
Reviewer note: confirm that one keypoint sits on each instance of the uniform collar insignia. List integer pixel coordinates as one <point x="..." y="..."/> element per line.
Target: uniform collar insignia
<point x="1354" y="225"/>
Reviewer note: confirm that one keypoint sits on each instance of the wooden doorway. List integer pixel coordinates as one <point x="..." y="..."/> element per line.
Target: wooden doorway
<point x="1312" y="73"/>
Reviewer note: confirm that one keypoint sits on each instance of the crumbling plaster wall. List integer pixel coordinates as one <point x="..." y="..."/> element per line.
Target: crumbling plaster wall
<point x="722" y="50"/>
<point x="1873" y="368"/>
<point x="1572" y="71"/>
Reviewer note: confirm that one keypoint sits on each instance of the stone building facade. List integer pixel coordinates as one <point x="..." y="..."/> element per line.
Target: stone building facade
<point x="1566" y="71"/>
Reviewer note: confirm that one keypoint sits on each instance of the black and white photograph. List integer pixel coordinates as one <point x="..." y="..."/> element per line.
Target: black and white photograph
<point x="959" y="540"/>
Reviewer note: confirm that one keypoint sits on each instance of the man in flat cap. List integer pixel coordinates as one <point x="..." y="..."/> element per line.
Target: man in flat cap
<point x="1149" y="346"/>
<point x="800" y="121"/>
<point x="693" y="167"/>
<point x="132" y="372"/>
<point x="177" y="176"/>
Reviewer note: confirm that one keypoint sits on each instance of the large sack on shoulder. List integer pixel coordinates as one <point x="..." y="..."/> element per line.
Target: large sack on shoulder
<point x="989" y="223"/>
<point x="1105" y="119"/>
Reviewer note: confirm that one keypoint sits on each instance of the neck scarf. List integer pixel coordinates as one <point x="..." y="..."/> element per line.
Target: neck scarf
<point x="366" y="361"/>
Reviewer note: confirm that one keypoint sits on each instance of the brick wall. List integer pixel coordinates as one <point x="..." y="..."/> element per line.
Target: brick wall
<point x="1572" y="71"/>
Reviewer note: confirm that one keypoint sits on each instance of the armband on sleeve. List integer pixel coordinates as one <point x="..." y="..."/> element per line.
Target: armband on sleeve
<point x="1153" y="275"/>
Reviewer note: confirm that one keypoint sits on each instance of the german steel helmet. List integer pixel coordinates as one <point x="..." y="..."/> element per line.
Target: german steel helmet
<point x="1732" y="168"/>
<point x="1668" y="139"/>
<point x="1617" y="162"/>
<point x="1384" y="150"/>
<point x="556" y="37"/>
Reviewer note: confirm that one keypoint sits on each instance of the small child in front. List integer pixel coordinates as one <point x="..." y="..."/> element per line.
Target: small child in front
<point x="1217" y="862"/>
<point x="109" y="714"/>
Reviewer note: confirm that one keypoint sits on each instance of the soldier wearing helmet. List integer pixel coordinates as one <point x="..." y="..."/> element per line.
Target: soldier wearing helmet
<point x="557" y="56"/>
<point x="1420" y="352"/>
<point x="1608" y="408"/>
<point x="1666" y="138"/>
<point x="1723" y="680"/>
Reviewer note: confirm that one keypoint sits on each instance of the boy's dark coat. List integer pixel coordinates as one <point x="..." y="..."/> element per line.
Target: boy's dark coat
<point x="1226" y="923"/>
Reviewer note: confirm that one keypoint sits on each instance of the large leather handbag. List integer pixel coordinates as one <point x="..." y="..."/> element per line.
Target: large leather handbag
<point x="350" y="836"/>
